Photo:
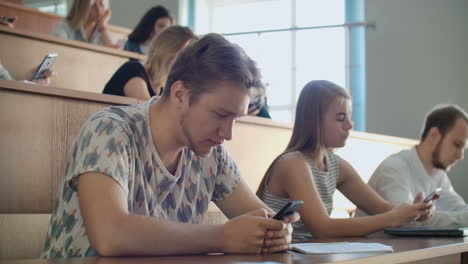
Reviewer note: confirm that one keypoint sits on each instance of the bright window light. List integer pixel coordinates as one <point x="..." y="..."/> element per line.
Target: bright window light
<point x="240" y="16"/>
<point x="282" y="115"/>
<point x="275" y="69"/>
<point x="59" y="9"/>
<point x="319" y="12"/>
<point x="288" y="58"/>
<point x="320" y="56"/>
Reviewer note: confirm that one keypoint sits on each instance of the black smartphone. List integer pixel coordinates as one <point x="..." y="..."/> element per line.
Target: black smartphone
<point x="289" y="208"/>
<point x="45" y="65"/>
<point x="432" y="194"/>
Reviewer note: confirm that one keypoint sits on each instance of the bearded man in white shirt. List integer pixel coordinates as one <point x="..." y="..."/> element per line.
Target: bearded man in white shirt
<point x="423" y="168"/>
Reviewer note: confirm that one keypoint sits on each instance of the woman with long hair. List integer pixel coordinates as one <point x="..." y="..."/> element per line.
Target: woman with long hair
<point x="308" y="170"/>
<point x="151" y="24"/>
<point x="86" y="21"/>
<point x="133" y="79"/>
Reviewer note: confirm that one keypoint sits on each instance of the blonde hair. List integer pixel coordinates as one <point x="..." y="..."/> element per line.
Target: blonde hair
<point x="205" y="63"/>
<point x="313" y="103"/>
<point x="164" y="48"/>
<point x="79" y="13"/>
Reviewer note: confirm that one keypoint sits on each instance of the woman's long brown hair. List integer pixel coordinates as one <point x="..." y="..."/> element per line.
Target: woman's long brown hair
<point x="313" y="102"/>
<point x="163" y="50"/>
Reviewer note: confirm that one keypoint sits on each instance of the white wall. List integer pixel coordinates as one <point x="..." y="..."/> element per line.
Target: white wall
<point x="416" y="57"/>
<point x="126" y="13"/>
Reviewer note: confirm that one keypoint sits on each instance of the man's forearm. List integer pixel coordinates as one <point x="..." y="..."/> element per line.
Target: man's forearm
<point x="144" y="236"/>
<point x="445" y="218"/>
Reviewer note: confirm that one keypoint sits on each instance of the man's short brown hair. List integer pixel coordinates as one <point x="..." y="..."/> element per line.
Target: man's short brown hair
<point x="209" y="61"/>
<point x="444" y="118"/>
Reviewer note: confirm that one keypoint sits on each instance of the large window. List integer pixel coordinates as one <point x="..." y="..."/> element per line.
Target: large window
<point x="293" y="42"/>
<point x="58" y="7"/>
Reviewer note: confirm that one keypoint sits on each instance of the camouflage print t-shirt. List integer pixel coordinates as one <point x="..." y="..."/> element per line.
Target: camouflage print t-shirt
<point x="4" y="74"/>
<point x="117" y="142"/>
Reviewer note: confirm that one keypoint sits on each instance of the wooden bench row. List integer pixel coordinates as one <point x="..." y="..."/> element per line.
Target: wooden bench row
<point x="79" y="66"/>
<point x="40" y="123"/>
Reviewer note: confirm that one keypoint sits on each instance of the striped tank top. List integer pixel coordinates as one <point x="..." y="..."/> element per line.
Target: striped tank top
<point x="325" y="181"/>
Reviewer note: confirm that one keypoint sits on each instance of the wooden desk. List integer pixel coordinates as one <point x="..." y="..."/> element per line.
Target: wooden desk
<point x="39" y="125"/>
<point x="407" y="250"/>
<point x="80" y="66"/>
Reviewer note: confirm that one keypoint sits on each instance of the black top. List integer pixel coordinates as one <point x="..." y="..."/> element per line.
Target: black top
<point x="261" y="104"/>
<point x="264" y="112"/>
<point x="428" y="231"/>
<point x="133" y="46"/>
<point x="127" y="71"/>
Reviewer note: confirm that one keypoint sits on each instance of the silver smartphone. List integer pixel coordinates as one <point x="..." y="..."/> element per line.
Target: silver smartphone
<point x="45" y="65"/>
<point x="432" y="194"/>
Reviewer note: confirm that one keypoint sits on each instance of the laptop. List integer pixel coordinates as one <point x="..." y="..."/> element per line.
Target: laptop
<point x="428" y="231"/>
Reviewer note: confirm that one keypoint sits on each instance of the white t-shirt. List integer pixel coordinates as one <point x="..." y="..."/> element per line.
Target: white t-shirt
<point x="400" y="177"/>
<point x="4" y="74"/>
<point x="64" y="30"/>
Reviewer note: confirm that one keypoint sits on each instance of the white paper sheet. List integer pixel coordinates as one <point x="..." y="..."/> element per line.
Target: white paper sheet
<point x="341" y="247"/>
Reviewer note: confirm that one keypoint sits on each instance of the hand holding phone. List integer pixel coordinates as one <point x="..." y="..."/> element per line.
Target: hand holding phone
<point x="8" y="21"/>
<point x="289" y="208"/>
<point x="45" y="65"/>
<point x="433" y="195"/>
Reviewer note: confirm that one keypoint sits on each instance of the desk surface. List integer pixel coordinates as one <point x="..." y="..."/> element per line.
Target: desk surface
<point x="406" y="250"/>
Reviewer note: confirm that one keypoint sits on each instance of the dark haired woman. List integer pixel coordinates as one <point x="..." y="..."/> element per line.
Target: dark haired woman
<point x="154" y="21"/>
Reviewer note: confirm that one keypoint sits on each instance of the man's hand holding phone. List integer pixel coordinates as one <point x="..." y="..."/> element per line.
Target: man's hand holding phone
<point x="257" y="232"/>
<point x="434" y="195"/>
<point x="288" y="209"/>
<point x="8" y="21"/>
<point x="280" y="240"/>
<point x="248" y="233"/>
<point x="429" y="209"/>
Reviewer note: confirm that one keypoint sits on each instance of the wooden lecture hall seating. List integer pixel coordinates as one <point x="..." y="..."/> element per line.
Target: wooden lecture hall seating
<point x="34" y="20"/>
<point x="40" y="123"/>
<point x="80" y="66"/>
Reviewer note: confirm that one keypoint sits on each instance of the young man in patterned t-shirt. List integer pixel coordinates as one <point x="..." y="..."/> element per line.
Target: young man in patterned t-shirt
<point x="139" y="178"/>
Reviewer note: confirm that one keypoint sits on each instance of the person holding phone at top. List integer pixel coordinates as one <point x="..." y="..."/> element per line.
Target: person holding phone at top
<point x="87" y="21"/>
<point x="8" y="21"/>
<point x="308" y="170"/>
<point x="133" y="79"/>
<point x="424" y="167"/>
<point x="259" y="107"/>
<point x="29" y="74"/>
<point x="139" y="178"/>
<point x="45" y="79"/>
